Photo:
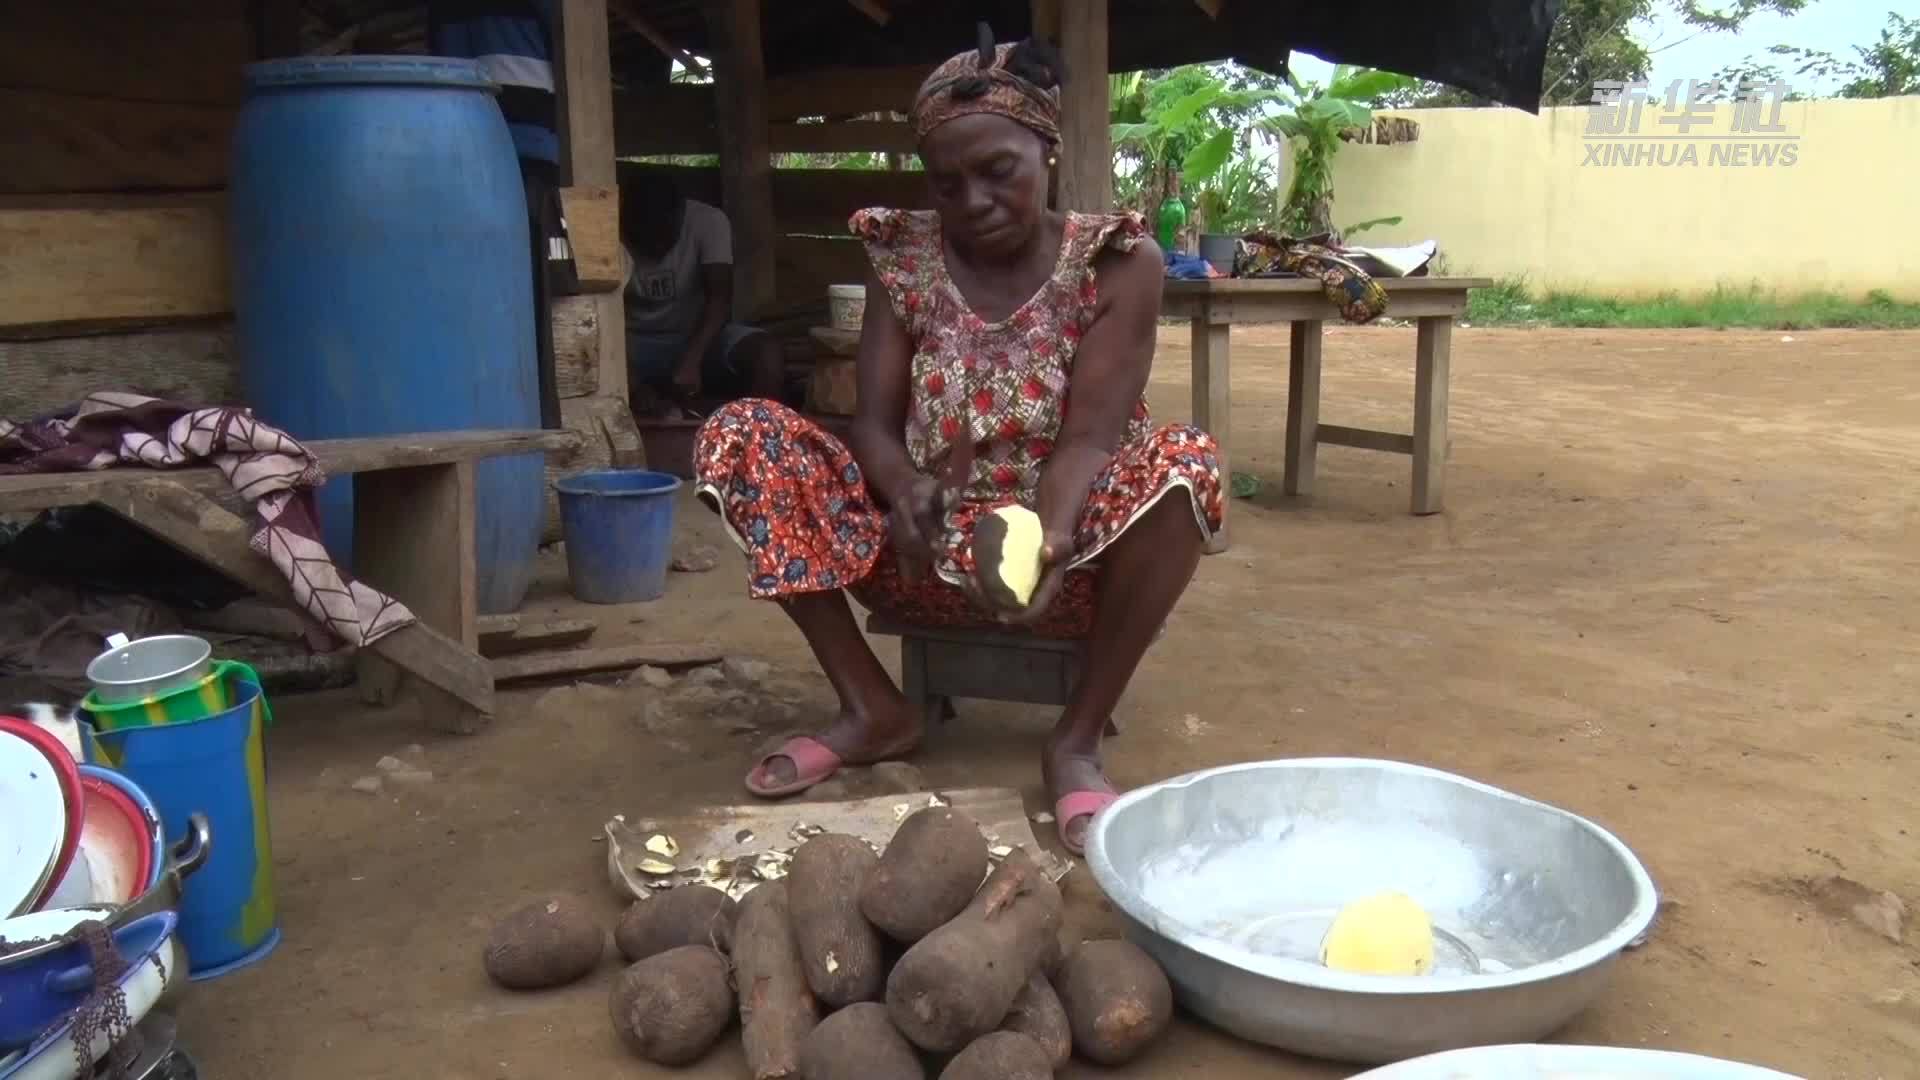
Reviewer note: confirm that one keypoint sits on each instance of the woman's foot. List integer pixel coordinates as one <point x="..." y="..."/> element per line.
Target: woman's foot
<point x="1079" y="788"/>
<point x="853" y="739"/>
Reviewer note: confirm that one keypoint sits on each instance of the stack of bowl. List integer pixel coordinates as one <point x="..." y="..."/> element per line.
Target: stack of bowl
<point x="79" y="843"/>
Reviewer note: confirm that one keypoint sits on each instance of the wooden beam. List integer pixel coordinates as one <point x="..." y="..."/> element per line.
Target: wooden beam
<point x="508" y="640"/>
<point x="587" y="151"/>
<point x="643" y="135"/>
<point x="1432" y="357"/>
<point x="838" y="91"/>
<point x="413" y="539"/>
<point x="174" y="53"/>
<point x="1363" y="438"/>
<point x="872" y="9"/>
<point x="746" y="167"/>
<point x="610" y="658"/>
<point x="1045" y="19"/>
<point x="639" y="24"/>
<point x="1086" y="150"/>
<point x="179" y="363"/>
<point x="54" y="142"/>
<point x="337" y="457"/>
<point x="92" y="263"/>
<point x="576" y="346"/>
<point x="593" y="232"/>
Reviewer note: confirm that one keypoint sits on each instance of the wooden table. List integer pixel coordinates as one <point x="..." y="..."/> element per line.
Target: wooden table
<point x="413" y="539"/>
<point x="1214" y="306"/>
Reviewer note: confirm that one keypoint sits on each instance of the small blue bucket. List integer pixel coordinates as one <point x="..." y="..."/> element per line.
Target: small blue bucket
<point x="618" y="525"/>
<point x="215" y="766"/>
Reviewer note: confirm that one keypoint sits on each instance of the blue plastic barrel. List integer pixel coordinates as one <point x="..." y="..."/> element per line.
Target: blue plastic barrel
<point x="216" y="766"/>
<point x="381" y="277"/>
<point x="618" y="525"/>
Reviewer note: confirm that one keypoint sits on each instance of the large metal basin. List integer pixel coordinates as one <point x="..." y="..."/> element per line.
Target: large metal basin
<point x="1230" y="876"/>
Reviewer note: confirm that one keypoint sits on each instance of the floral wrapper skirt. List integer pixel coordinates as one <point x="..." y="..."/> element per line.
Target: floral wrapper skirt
<point x="793" y="498"/>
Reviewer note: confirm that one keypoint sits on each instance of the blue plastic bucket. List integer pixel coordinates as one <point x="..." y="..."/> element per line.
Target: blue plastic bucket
<point x="618" y="525"/>
<point x="216" y="766"/>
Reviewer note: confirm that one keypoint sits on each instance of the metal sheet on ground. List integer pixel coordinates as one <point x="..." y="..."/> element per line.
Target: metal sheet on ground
<point x="738" y="847"/>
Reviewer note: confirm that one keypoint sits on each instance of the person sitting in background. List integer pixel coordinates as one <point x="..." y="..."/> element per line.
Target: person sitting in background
<point x="681" y="345"/>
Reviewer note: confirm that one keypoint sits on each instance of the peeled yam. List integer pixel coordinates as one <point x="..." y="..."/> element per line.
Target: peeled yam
<point x="1385" y="934"/>
<point x="1007" y="547"/>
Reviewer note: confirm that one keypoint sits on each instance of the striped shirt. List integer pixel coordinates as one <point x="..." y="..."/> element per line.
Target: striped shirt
<point x="512" y="41"/>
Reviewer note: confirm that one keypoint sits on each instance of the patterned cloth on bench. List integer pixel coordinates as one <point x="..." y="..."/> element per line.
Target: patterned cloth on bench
<point x="262" y="463"/>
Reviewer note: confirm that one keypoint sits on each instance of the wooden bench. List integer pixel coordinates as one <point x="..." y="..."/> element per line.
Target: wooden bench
<point x="413" y="539"/>
<point x="938" y="664"/>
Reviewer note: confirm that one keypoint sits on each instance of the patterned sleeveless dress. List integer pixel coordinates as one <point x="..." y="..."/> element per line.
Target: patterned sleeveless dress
<point x="793" y="496"/>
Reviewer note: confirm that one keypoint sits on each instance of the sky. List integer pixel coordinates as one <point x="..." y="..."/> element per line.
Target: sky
<point x="1681" y="52"/>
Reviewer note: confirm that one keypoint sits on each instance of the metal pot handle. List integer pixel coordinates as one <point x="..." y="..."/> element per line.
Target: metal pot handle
<point x="190" y="853"/>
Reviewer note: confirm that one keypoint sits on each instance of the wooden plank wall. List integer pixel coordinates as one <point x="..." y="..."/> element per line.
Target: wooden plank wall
<point x="194" y="364"/>
<point x="120" y="95"/>
<point x="116" y="122"/>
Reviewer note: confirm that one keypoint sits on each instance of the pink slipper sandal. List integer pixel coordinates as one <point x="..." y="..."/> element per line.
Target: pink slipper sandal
<point x="812" y="761"/>
<point x="1075" y="804"/>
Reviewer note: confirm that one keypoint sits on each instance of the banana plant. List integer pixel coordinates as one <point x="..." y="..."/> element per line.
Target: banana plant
<point x="1187" y="118"/>
<point x="1314" y="128"/>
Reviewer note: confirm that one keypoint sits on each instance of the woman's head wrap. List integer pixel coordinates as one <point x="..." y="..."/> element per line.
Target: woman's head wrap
<point x="1020" y="82"/>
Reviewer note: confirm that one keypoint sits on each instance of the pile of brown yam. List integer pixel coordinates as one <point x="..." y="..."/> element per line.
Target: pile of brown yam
<point x="858" y="966"/>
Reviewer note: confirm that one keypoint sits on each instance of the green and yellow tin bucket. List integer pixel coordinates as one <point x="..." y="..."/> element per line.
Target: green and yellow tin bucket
<point x="215" y="765"/>
<point x="203" y="698"/>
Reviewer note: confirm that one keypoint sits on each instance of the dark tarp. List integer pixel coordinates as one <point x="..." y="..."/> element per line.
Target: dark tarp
<point x="1494" y="48"/>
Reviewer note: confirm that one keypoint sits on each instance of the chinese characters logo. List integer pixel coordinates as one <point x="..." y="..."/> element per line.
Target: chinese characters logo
<point x="1686" y="131"/>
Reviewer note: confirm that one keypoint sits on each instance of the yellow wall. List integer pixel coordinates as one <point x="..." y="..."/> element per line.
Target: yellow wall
<point x="1509" y="194"/>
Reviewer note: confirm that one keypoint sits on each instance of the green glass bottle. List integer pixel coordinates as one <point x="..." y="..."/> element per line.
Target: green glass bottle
<point x="1172" y="216"/>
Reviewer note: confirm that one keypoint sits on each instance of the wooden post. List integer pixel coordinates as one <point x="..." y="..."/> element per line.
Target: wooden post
<point x="746" y="163"/>
<point x="1430" y="374"/>
<point x="413" y="538"/>
<point x="1303" y="406"/>
<point x="1213" y="401"/>
<point x="1086" y="151"/>
<point x="584" y="81"/>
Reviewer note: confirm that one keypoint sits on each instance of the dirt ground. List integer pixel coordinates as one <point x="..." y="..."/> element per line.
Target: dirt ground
<point x="1673" y="590"/>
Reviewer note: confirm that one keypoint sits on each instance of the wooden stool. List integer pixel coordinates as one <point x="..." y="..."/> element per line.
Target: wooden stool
<point x="938" y="664"/>
<point x="831" y="386"/>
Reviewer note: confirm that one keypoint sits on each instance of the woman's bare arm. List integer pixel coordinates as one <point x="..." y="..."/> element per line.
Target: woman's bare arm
<point x="1110" y="372"/>
<point x="882" y="370"/>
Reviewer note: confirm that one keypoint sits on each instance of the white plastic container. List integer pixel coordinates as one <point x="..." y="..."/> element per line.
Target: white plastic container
<point x="847" y="305"/>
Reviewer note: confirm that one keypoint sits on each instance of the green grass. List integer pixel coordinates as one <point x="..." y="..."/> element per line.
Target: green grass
<point x="1510" y="303"/>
